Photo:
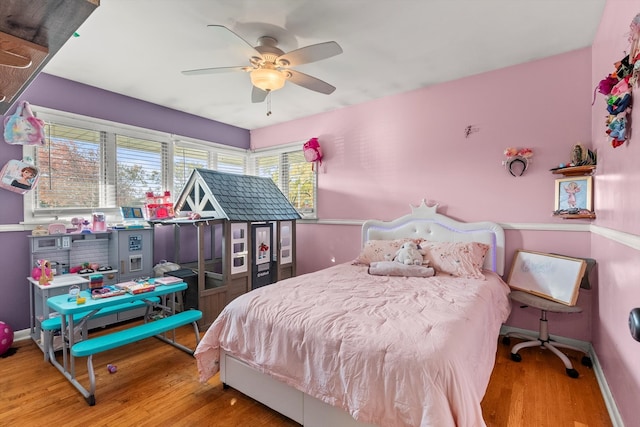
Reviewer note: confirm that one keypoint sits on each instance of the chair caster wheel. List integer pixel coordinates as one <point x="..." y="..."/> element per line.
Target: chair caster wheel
<point x="586" y="361"/>
<point x="506" y="340"/>
<point x="573" y="373"/>
<point x="516" y="357"/>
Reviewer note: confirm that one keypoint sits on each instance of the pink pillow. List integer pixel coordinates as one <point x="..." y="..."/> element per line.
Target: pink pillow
<point x="379" y="250"/>
<point x="460" y="259"/>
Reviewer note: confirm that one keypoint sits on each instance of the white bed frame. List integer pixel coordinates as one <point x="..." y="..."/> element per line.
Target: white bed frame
<point x="423" y="222"/>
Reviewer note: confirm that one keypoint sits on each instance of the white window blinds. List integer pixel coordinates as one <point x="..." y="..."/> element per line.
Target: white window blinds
<point x="139" y="169"/>
<point x="231" y="163"/>
<point x="185" y="160"/>
<point x="293" y="175"/>
<point x="90" y="164"/>
<point x="71" y="169"/>
<point x="300" y="181"/>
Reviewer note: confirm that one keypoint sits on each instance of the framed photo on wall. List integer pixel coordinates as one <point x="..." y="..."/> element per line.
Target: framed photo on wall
<point x="574" y="194"/>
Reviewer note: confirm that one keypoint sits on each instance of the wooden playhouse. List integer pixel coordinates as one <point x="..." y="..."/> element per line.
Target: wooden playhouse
<point x="244" y="232"/>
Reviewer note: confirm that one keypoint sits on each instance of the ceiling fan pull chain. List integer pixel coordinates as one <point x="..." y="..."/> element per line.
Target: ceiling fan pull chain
<point x="268" y="103"/>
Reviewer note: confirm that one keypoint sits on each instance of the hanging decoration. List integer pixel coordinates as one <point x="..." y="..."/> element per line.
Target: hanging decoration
<point x="312" y="151"/>
<point x="517" y="160"/>
<point x="23" y="127"/>
<point x="618" y="88"/>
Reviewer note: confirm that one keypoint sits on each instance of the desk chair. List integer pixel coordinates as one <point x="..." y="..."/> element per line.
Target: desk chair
<point x="542" y="339"/>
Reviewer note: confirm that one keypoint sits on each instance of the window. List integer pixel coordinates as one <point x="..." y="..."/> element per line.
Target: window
<point x="293" y="175"/>
<point x="89" y="164"/>
<point x="185" y="160"/>
<point x="139" y="169"/>
<point x="70" y="168"/>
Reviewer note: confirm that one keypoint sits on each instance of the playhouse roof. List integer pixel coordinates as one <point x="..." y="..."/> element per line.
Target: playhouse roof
<point x="220" y="195"/>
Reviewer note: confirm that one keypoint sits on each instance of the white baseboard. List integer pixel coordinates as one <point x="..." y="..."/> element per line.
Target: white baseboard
<point x="21" y="335"/>
<point x="609" y="402"/>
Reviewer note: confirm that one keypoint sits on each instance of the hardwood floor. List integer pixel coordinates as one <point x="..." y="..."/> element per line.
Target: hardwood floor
<point x="156" y="385"/>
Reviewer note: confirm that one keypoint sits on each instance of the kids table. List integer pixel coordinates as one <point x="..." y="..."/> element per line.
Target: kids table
<point x="70" y="322"/>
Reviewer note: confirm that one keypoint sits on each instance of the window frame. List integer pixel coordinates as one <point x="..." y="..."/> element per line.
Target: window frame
<point x="40" y="216"/>
<point x="171" y="141"/>
<point x="280" y="150"/>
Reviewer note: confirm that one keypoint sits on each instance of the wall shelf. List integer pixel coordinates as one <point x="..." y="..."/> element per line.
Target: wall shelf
<point x="575" y="170"/>
<point x="590" y="215"/>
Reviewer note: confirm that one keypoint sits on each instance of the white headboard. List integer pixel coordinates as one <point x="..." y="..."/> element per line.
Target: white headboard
<point x="426" y="224"/>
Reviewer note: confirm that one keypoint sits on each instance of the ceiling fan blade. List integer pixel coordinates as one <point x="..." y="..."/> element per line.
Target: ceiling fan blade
<point x="228" y="37"/>
<point x="214" y="70"/>
<point x="308" y="54"/>
<point x="258" y="95"/>
<point x="309" y="82"/>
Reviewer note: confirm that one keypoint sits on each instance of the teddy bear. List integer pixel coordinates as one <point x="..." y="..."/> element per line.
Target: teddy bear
<point x="408" y="254"/>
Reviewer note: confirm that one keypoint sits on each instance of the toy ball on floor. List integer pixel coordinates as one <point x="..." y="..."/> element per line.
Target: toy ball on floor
<point x="6" y="337"/>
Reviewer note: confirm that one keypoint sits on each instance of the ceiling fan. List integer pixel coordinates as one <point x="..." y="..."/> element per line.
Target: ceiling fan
<point x="269" y="67"/>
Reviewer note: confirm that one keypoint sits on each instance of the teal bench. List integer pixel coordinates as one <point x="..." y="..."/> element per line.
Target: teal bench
<point x="156" y="328"/>
<point x="53" y="324"/>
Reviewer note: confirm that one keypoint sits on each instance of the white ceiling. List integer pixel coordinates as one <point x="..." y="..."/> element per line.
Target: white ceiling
<point x="138" y="48"/>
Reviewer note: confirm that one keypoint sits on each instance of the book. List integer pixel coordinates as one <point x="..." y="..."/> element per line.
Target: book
<point x="168" y="280"/>
<point x="135" y="287"/>
<point x="125" y="285"/>
<point x="139" y="288"/>
<point x="106" y="292"/>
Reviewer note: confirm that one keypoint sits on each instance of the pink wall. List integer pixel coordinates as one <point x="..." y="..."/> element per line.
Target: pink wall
<point x="384" y="155"/>
<point x="617" y="181"/>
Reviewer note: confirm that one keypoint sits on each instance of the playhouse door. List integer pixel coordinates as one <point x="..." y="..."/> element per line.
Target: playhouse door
<point x="261" y="267"/>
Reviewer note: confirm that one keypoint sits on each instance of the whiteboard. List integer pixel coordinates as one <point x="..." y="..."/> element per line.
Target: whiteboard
<point x="550" y="276"/>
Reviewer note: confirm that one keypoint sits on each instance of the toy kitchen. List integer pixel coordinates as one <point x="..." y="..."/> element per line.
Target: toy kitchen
<point x="60" y="260"/>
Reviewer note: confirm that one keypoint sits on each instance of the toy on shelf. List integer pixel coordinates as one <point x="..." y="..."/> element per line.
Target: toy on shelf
<point x="99" y="222"/>
<point x="159" y="206"/>
<point x="86" y="227"/>
<point x="42" y="272"/>
<point x="77" y="224"/>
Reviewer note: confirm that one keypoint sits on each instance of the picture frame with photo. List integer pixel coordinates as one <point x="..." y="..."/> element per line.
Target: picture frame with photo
<point x="574" y="195"/>
<point x="19" y="176"/>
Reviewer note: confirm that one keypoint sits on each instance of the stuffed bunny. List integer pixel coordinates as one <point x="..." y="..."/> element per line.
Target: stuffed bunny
<point x="408" y="254"/>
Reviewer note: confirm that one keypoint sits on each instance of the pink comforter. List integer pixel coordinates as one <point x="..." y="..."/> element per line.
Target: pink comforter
<point x="392" y="351"/>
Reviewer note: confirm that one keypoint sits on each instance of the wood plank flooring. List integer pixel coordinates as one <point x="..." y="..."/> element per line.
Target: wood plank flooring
<point x="157" y="385"/>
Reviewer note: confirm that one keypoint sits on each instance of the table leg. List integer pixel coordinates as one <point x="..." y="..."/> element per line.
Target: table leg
<point x="63" y="337"/>
<point x="72" y="337"/>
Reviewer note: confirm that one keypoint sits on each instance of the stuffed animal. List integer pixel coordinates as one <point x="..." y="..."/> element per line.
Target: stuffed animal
<point x="408" y="254"/>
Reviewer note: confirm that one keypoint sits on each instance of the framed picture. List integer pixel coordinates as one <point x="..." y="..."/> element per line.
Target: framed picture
<point x="573" y="194"/>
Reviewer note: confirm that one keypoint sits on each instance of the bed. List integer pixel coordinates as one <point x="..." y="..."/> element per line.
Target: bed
<point x="345" y="347"/>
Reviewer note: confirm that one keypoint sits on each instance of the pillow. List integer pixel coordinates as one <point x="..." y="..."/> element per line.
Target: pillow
<point x="393" y="268"/>
<point x="460" y="259"/>
<point x="379" y="250"/>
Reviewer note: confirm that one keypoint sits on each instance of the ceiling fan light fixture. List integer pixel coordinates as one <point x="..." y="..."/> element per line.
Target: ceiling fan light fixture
<point x="267" y="79"/>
